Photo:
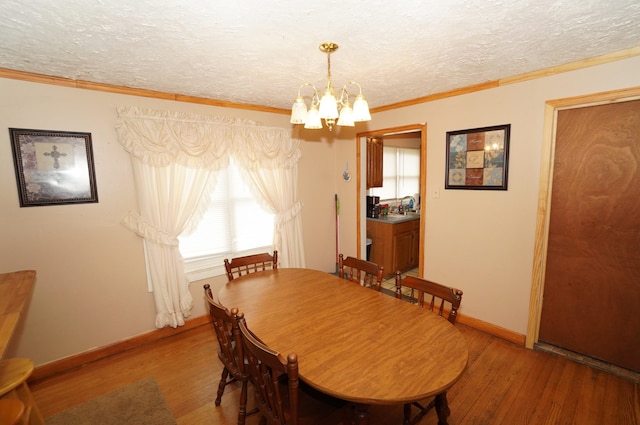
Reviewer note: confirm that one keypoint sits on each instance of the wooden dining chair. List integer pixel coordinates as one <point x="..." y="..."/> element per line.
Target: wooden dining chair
<point x="229" y="352"/>
<point x="417" y="290"/>
<point x="14" y="375"/>
<point x="240" y="266"/>
<point x="11" y="411"/>
<point x="282" y="398"/>
<point x="428" y="294"/>
<point x="365" y="273"/>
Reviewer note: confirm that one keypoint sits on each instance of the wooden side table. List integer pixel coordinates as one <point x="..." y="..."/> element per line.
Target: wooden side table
<point x="13" y="384"/>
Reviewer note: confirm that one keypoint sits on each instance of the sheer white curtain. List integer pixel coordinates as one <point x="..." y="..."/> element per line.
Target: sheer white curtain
<point x="175" y="157"/>
<point x="167" y="199"/>
<point x="272" y="173"/>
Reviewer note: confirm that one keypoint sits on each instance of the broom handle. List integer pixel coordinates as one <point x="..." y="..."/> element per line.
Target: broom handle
<point x="337" y="211"/>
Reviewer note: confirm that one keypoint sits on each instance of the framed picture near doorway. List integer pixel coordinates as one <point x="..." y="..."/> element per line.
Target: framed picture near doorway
<point x="478" y="158"/>
<point x="53" y="167"/>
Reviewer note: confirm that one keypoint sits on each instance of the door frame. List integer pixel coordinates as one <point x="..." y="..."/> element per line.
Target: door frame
<point x="361" y="187"/>
<point x="552" y="108"/>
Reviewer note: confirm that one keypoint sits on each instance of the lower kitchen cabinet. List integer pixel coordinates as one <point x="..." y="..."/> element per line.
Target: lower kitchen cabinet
<point x="394" y="246"/>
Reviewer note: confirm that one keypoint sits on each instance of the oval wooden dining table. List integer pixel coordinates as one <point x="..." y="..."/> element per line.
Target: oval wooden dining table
<point x="352" y="342"/>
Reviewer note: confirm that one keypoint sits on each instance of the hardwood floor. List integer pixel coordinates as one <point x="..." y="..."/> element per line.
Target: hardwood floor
<point x="504" y="384"/>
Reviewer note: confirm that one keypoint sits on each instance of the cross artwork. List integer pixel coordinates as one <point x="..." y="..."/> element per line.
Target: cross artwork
<point x="55" y="155"/>
<point x="53" y="167"/>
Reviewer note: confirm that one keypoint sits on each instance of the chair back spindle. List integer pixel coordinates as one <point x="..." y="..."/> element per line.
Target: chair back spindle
<point x="241" y="266"/>
<point x="422" y="291"/>
<point x="226" y="330"/>
<point x="365" y="273"/>
<point x="267" y="369"/>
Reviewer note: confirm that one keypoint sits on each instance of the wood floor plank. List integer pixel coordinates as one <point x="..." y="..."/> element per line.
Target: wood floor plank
<point x="560" y="397"/>
<point x="504" y="384"/>
<point x="526" y="403"/>
<point x="481" y="375"/>
<point x="570" y="391"/>
<point x="635" y="403"/>
<point x="591" y="398"/>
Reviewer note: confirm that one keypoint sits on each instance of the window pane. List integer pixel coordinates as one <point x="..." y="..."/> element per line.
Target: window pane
<point x="234" y="222"/>
<point x="253" y="227"/>
<point x="409" y="175"/>
<point x="401" y="173"/>
<point x="389" y="174"/>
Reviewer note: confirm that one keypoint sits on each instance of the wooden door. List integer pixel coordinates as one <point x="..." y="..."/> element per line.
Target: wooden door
<point x="591" y="301"/>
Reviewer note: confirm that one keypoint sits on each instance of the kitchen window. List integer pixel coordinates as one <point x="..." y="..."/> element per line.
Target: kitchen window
<point x="233" y="225"/>
<point x="401" y="173"/>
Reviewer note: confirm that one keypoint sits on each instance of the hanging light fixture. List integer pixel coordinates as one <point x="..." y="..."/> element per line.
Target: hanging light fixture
<point x="329" y="108"/>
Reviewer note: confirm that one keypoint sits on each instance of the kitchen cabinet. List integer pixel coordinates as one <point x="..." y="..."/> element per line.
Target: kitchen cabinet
<point x="394" y="245"/>
<point x="374" y="162"/>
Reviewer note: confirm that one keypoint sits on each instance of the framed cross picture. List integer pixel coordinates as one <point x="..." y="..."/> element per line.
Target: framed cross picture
<point x="53" y="167"/>
<point x="478" y="158"/>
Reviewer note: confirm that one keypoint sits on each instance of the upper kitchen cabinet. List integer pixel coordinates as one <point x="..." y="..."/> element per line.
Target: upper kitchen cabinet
<point x="374" y="162"/>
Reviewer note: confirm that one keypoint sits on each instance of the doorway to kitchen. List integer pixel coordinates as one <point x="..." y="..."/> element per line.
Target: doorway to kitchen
<point x="401" y="137"/>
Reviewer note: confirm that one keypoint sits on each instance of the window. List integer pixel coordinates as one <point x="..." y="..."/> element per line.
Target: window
<point x="234" y="225"/>
<point x="401" y="173"/>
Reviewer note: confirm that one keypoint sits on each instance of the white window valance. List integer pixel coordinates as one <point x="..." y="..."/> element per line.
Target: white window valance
<point x="159" y="138"/>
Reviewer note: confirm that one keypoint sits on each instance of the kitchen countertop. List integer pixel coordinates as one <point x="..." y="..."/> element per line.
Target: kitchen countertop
<point x="396" y="218"/>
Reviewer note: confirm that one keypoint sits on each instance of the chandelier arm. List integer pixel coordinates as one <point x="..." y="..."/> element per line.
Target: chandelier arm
<point x="315" y="100"/>
<point x="315" y="91"/>
<point x="343" y="99"/>
<point x="354" y="82"/>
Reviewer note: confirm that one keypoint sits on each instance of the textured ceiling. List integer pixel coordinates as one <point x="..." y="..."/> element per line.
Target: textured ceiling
<point x="259" y="51"/>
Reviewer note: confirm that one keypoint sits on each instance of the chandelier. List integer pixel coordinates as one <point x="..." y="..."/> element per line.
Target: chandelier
<point x="329" y="108"/>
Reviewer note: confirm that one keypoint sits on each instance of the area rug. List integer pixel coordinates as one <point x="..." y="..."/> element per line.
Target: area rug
<point x="140" y="403"/>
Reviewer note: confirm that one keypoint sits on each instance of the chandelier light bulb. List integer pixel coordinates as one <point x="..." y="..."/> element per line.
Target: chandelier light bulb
<point x="328" y="105"/>
<point x="298" y="111"/>
<point x="313" y="118"/>
<point x="361" y="109"/>
<point x="346" y="116"/>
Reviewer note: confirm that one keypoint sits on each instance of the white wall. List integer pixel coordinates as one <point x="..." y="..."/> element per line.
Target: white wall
<point x="482" y="241"/>
<point x="91" y="285"/>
